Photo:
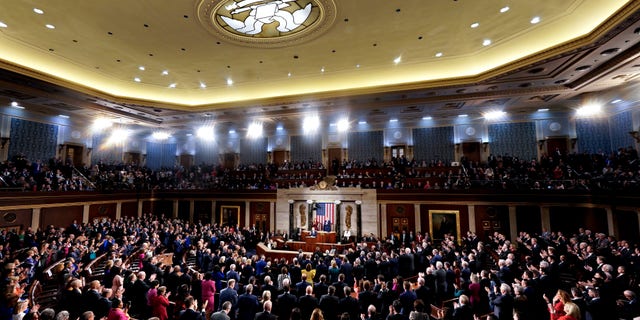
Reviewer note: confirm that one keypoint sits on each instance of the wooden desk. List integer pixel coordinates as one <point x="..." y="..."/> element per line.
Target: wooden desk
<point x="322" y="237"/>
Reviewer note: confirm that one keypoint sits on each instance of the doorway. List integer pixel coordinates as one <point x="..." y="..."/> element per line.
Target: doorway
<point x="279" y="157"/>
<point x="335" y="160"/>
<point x="398" y="152"/>
<point x="471" y="151"/>
<point x="261" y="220"/>
<point x="229" y="160"/>
<point x="74" y="155"/>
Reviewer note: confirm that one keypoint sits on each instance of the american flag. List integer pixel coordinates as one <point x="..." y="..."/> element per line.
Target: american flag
<point x="325" y="211"/>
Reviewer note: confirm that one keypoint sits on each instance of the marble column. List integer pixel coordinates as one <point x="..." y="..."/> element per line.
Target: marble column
<point x="513" y="223"/>
<point x="35" y="218"/>
<point x="472" y="218"/>
<point x="545" y="217"/>
<point x="610" y="222"/>
<point x="291" y="216"/>
<point x="359" y="219"/>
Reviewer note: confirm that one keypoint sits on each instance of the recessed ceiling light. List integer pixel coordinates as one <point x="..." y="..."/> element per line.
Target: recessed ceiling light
<point x="13" y="103"/>
<point x="439" y="54"/>
<point x="504" y="9"/>
<point x="475" y="25"/>
<point x="50" y="26"/>
<point x="543" y="110"/>
<point x="616" y="101"/>
<point x="255" y="130"/>
<point x="589" y="110"/>
<point x="426" y="118"/>
<point x="322" y="69"/>
<point x="397" y="60"/>
<point x="165" y="72"/>
<point x="357" y="65"/>
<point x="63" y="116"/>
<point x="535" y="20"/>
<point x="3" y="25"/>
<point x="203" y="85"/>
<point x="279" y="128"/>
<point x="189" y="134"/>
<point x="462" y="116"/>
<point x="289" y="74"/>
<point x="232" y="131"/>
<point x="362" y="122"/>
<point x="38" y="11"/>
<point x="393" y="120"/>
<point x="486" y="42"/>
<point x="173" y="85"/>
<point x="229" y="81"/>
<point x="161" y="135"/>
<point x="343" y="125"/>
<point x="141" y="68"/>
<point x="136" y="79"/>
<point x="494" y="115"/>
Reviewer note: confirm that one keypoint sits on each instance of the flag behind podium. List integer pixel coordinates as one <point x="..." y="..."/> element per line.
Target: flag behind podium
<point x="325" y="211"/>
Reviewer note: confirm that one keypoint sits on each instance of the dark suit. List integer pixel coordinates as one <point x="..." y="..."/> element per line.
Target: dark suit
<point x="190" y="314"/>
<point x="407" y="298"/>
<point x="366" y="298"/>
<point x="264" y="315"/>
<point x="347" y="269"/>
<point x="463" y="312"/>
<point x="597" y="310"/>
<point x="502" y="306"/>
<point x="349" y="305"/>
<point x="307" y="303"/>
<point x="229" y="294"/>
<point x="247" y="306"/>
<point x="286" y="303"/>
<point x="329" y="306"/>
<point x="90" y="300"/>
<point x="301" y="288"/>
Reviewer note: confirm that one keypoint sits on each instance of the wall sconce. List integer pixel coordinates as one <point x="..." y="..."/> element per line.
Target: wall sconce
<point x="485" y="146"/>
<point x="3" y="142"/>
<point x="573" y="142"/>
<point x="541" y="144"/>
<point x="634" y="134"/>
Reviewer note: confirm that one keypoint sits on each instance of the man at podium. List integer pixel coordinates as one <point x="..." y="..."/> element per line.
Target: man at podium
<point x="313" y="232"/>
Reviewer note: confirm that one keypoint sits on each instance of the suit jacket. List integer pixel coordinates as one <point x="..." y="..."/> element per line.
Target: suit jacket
<point x="229" y="294"/>
<point x="264" y="315"/>
<point x="329" y="306"/>
<point x="247" y="306"/>
<point x="190" y="314"/>
<point x="350" y="305"/>
<point x="307" y="303"/>
<point x="502" y="306"/>
<point x="220" y="315"/>
<point x="286" y="303"/>
<point x="463" y="312"/>
<point x="301" y="288"/>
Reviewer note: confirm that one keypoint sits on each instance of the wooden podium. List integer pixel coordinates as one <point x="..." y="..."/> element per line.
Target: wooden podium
<point x="322" y="237"/>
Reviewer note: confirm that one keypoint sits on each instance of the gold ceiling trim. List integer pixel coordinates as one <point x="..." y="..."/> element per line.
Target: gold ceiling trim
<point x="266" y="24"/>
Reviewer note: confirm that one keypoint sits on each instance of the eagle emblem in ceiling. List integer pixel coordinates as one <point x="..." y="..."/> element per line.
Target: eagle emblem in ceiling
<point x="267" y="23"/>
<point x="262" y="14"/>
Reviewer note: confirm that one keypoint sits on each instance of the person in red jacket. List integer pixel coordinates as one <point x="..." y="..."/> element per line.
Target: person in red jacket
<point x="160" y="303"/>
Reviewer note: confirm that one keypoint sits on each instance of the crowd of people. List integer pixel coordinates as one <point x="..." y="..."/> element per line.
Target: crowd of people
<point x="216" y="274"/>
<point x="584" y="172"/>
